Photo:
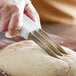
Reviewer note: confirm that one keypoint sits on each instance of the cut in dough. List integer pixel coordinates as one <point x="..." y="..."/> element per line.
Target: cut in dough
<point x="26" y="58"/>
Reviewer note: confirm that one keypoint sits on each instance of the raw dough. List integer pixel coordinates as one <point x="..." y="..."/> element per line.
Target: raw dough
<point x="26" y="58"/>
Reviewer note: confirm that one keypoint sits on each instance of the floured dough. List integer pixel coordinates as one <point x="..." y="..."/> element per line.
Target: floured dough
<point x="71" y="60"/>
<point x="26" y="58"/>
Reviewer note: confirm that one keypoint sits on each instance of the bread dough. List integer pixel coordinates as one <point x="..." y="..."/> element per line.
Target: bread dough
<point x="26" y="58"/>
<point x="71" y="60"/>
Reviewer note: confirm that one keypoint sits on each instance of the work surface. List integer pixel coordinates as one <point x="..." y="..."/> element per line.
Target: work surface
<point x="63" y="34"/>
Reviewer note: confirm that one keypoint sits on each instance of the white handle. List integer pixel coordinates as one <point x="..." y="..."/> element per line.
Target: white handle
<point x="28" y="26"/>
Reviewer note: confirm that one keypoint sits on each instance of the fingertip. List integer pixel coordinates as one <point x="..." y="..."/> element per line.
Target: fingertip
<point x="13" y="32"/>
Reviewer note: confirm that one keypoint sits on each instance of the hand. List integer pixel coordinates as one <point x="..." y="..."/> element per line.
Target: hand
<point x="11" y="12"/>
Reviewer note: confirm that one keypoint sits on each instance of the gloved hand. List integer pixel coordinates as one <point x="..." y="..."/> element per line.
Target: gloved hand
<point x="11" y="14"/>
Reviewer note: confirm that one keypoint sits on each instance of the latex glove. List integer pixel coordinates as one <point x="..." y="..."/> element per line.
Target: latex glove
<point x="11" y="12"/>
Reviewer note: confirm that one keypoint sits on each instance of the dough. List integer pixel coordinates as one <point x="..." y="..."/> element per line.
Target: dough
<point x="26" y="58"/>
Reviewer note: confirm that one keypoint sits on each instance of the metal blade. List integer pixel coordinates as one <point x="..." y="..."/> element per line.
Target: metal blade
<point x="42" y="44"/>
<point x="55" y="44"/>
<point x="47" y="42"/>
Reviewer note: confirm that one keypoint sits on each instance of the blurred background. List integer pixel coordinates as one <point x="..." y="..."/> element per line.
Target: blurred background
<point x="58" y="16"/>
